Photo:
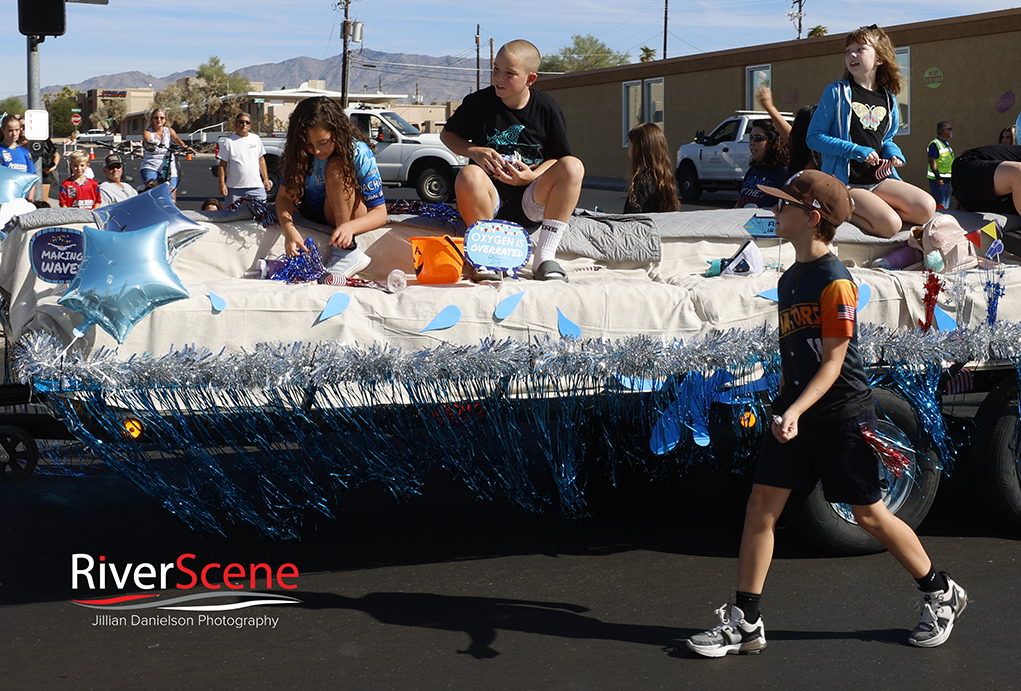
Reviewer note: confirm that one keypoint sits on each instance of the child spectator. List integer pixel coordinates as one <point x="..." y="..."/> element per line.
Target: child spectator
<point x="79" y="191"/>
<point x="824" y="401"/>
<point x="653" y="188"/>
<point x="330" y="177"/>
<point x="113" y="190"/>
<point x="12" y="155"/>
<point x="1007" y="136"/>
<point x="853" y="129"/>
<point x="768" y="165"/>
<point x="212" y="204"/>
<point x="523" y="170"/>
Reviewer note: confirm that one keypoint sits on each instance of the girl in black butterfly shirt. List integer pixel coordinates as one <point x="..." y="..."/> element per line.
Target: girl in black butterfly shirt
<point x="853" y="129"/>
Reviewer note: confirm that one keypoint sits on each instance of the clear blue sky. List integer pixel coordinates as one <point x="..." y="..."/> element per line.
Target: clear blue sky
<point x="161" y="38"/>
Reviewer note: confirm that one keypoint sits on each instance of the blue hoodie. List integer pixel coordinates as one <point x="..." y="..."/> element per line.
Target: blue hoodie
<point x="829" y="131"/>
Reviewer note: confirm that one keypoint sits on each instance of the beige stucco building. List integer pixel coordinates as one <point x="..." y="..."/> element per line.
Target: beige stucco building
<point x="966" y="70"/>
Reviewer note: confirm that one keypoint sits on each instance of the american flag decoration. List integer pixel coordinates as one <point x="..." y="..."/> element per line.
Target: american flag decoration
<point x="962" y="382"/>
<point x="845" y="312"/>
<point x="886" y="450"/>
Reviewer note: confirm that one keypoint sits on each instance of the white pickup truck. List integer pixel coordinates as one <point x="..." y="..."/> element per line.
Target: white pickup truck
<point x="719" y="161"/>
<point x="405" y="156"/>
<point x="96" y="136"/>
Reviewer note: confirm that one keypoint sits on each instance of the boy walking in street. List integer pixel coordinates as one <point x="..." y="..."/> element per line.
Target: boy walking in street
<point x="816" y="433"/>
<point x="523" y="170"/>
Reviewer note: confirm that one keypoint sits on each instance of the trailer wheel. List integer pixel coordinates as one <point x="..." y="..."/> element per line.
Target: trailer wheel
<point x="18" y="455"/>
<point x="998" y="468"/>
<point x="831" y="527"/>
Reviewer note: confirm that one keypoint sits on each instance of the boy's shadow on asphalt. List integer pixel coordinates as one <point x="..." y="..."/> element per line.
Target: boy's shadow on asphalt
<point x="481" y="617"/>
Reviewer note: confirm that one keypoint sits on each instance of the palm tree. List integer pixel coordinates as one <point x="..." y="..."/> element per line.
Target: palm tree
<point x="817" y="31"/>
<point x="648" y="54"/>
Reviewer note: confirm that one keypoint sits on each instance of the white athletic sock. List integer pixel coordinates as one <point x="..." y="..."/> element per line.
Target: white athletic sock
<point x="549" y="238"/>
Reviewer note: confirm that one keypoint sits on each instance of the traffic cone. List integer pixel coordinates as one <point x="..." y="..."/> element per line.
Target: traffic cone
<point x="188" y="157"/>
<point x="92" y="153"/>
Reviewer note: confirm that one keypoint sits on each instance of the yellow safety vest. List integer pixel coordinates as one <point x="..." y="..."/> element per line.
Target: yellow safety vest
<point x="945" y="160"/>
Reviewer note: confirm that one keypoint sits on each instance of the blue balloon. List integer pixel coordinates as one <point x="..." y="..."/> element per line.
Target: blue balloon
<point x="148" y="208"/>
<point x="15" y="185"/>
<point x="122" y="277"/>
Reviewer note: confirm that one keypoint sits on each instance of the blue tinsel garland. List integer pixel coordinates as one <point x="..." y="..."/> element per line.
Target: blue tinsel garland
<point x="269" y="435"/>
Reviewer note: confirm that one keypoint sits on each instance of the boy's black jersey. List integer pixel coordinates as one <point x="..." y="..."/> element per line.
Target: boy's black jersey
<point x="537" y="132"/>
<point x="818" y="300"/>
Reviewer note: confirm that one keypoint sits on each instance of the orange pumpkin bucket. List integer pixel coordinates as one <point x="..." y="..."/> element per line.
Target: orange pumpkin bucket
<point x="437" y="259"/>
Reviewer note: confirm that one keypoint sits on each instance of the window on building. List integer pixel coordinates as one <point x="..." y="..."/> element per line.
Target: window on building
<point x="756" y="76"/>
<point x="632" y="107"/>
<point x="642" y="102"/>
<point x="904" y="97"/>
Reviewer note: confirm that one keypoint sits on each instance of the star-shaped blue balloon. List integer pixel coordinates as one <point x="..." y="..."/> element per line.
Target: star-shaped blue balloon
<point x="15" y="184"/>
<point x="146" y="209"/>
<point x="123" y="277"/>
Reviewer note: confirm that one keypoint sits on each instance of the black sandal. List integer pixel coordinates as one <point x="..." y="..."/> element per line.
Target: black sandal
<point x="550" y="270"/>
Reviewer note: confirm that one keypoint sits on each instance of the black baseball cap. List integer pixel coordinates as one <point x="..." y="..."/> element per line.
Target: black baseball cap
<point x="112" y="160"/>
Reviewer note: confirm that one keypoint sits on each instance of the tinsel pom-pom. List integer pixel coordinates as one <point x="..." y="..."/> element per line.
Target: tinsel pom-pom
<point x="441" y="212"/>
<point x="264" y="213"/>
<point x="994" y="291"/>
<point x="307" y="267"/>
<point x="933" y="286"/>
<point x="886" y="450"/>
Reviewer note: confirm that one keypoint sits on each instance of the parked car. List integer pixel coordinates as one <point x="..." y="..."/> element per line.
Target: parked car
<point x="95" y="136"/>
<point x="719" y="161"/>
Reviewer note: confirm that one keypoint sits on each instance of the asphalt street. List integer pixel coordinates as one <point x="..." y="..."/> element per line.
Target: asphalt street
<point x="444" y="592"/>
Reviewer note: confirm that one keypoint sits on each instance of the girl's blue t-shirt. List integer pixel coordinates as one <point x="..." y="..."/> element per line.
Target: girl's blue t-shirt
<point x="366" y="172"/>
<point x="17" y="158"/>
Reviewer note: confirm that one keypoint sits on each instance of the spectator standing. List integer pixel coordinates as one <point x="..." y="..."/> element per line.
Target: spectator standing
<point x="941" y="161"/>
<point x="242" y="170"/>
<point x="12" y="155"/>
<point x="113" y="190"/>
<point x="1007" y="136"/>
<point x="157" y="138"/>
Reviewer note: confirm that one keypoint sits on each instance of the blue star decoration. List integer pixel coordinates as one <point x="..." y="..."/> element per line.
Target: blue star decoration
<point x="122" y="278"/>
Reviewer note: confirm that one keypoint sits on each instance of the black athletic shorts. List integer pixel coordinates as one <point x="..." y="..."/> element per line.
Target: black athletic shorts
<point x="972" y="180"/>
<point x="833" y="452"/>
<point x="314" y="215"/>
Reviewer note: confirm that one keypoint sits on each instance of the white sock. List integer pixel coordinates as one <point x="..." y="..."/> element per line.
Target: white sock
<point x="549" y="238"/>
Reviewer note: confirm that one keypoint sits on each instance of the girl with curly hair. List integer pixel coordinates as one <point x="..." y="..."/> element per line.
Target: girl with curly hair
<point x="329" y="177"/>
<point x="652" y="188"/>
<point x="853" y="129"/>
<point x="768" y="166"/>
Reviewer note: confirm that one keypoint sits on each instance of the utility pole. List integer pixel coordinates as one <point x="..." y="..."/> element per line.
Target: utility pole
<point x="797" y="16"/>
<point x="490" y="62"/>
<point x="344" y="68"/>
<point x="666" y="20"/>
<point x="478" y="58"/>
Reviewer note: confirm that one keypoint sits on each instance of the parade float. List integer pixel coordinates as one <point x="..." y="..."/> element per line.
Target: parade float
<point x="146" y="334"/>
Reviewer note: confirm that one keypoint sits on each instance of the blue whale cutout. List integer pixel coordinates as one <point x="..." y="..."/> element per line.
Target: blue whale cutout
<point x="568" y="329"/>
<point x="337" y="303"/>
<point x="508" y="305"/>
<point x="771" y="294"/>
<point x="448" y="317"/>
<point x="218" y="303"/>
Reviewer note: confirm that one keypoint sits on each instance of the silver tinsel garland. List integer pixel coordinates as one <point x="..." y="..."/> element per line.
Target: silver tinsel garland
<point x="269" y="434"/>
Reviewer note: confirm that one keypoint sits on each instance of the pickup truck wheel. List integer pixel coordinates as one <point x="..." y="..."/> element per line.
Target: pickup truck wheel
<point x="998" y="468"/>
<point x="832" y="528"/>
<point x="19" y="455"/>
<point x="273" y="172"/>
<point x="688" y="185"/>
<point x="434" y="185"/>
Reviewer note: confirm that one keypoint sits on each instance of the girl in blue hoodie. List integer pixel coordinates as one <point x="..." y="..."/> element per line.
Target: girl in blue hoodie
<point x="853" y="130"/>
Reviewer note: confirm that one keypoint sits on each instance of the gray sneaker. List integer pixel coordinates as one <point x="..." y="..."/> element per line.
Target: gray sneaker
<point x="733" y="635"/>
<point x="939" y="612"/>
<point x="347" y="263"/>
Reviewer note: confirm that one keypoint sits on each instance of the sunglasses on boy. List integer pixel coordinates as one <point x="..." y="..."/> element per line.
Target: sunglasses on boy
<point x="781" y="203"/>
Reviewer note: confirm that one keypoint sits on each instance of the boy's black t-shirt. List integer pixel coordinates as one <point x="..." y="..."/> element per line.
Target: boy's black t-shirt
<point x="869" y="121"/>
<point x="818" y="300"/>
<point x="538" y="132"/>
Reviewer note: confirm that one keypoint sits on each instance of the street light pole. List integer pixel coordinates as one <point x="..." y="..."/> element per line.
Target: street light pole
<point x="344" y="72"/>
